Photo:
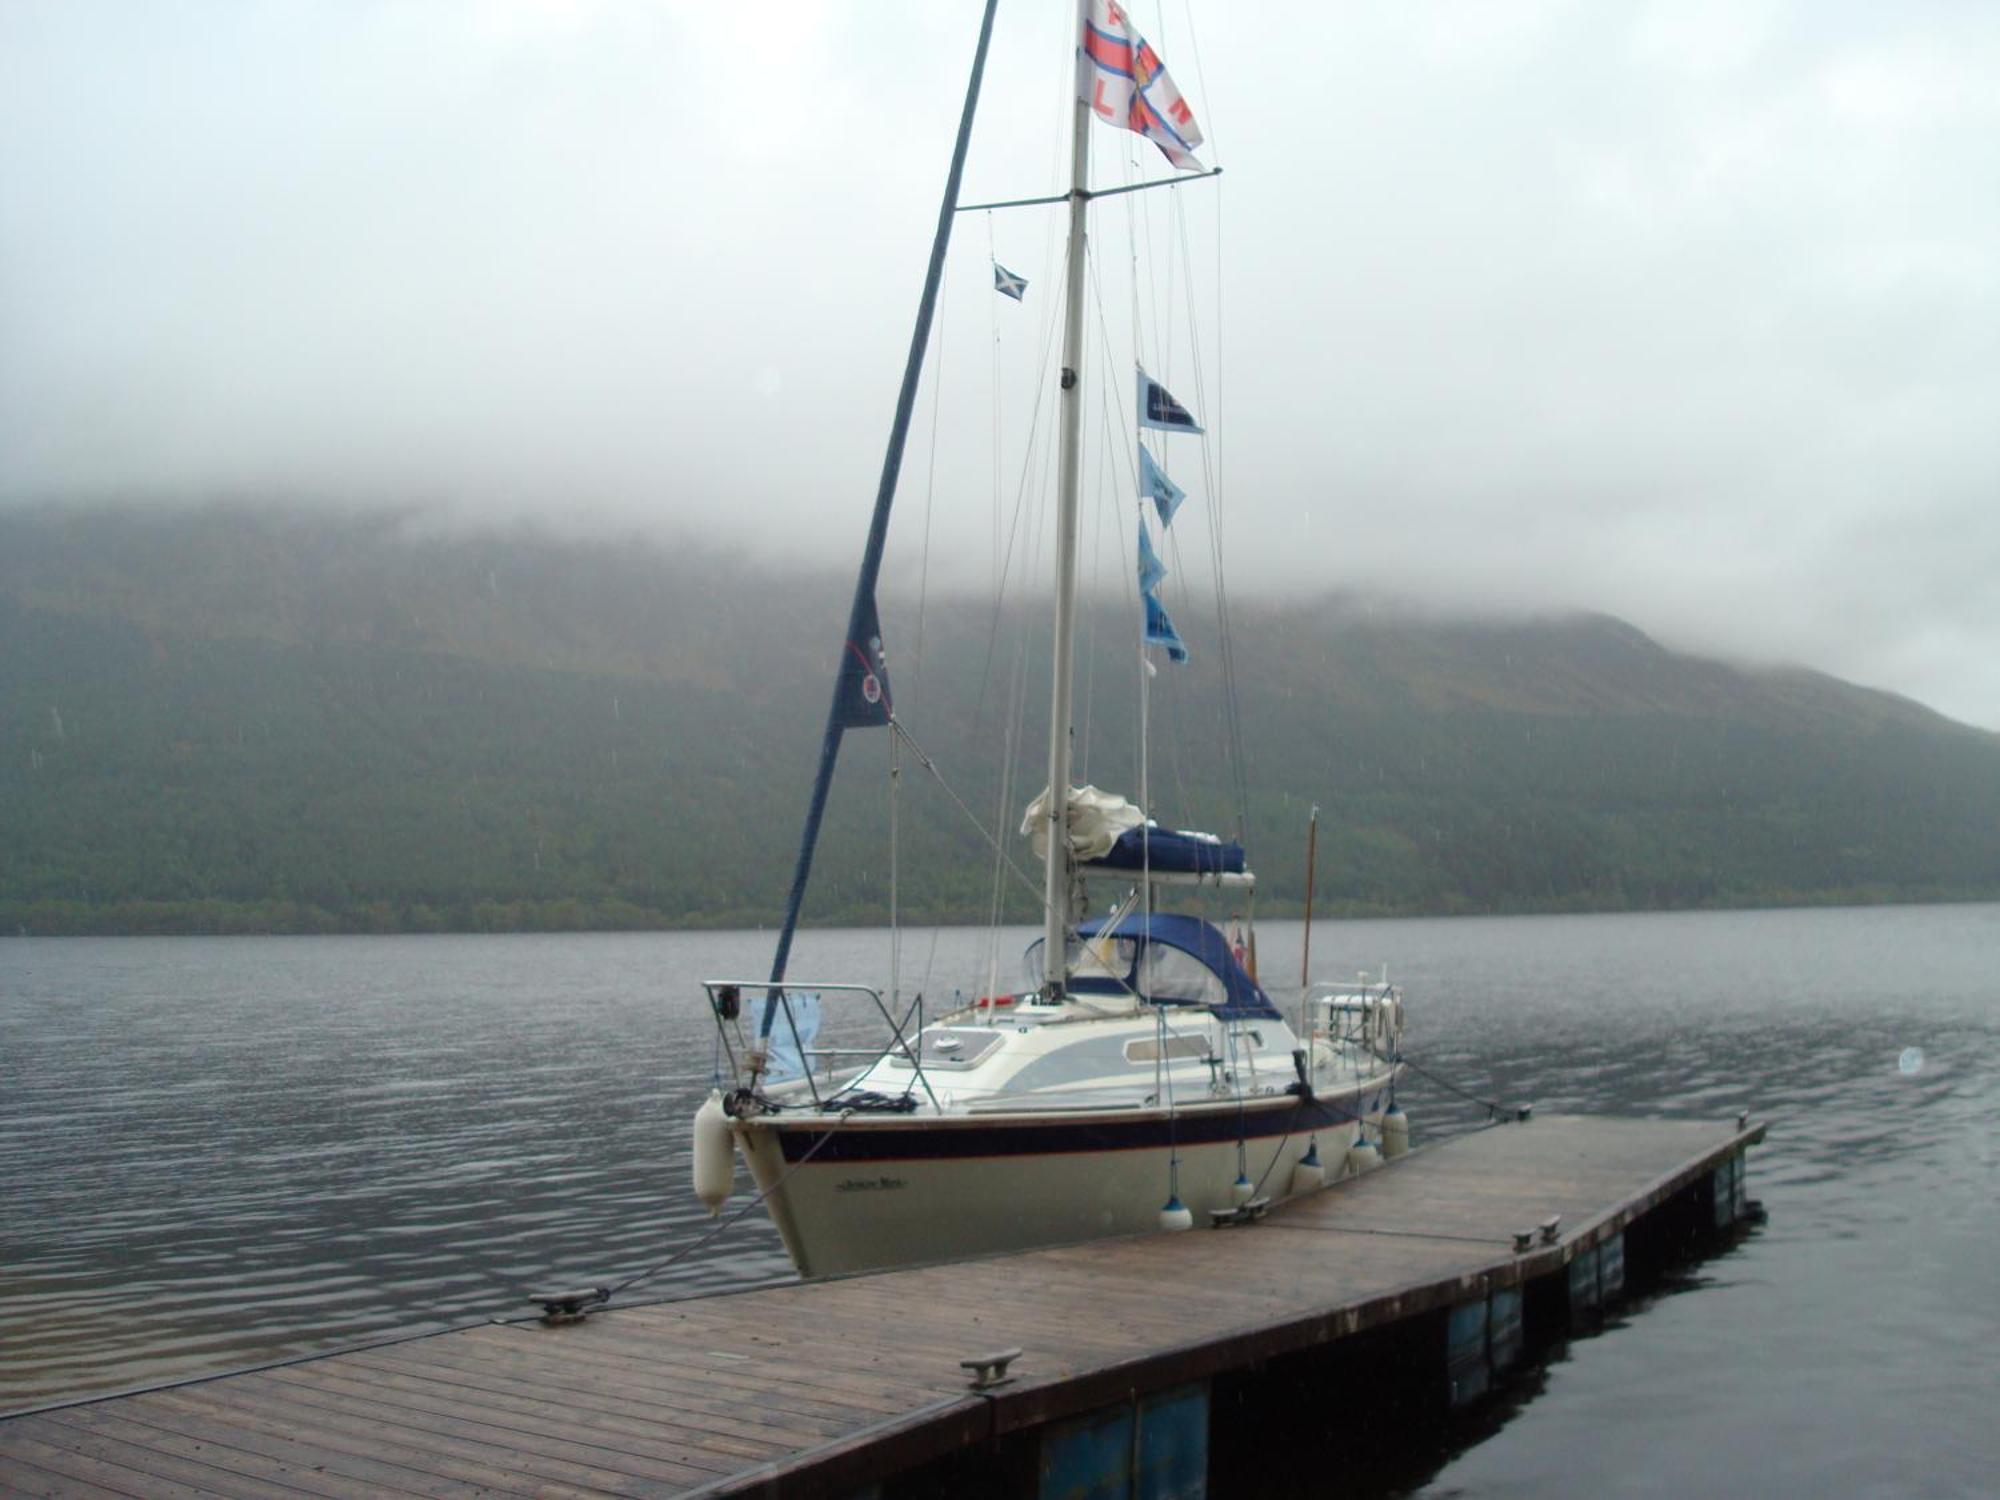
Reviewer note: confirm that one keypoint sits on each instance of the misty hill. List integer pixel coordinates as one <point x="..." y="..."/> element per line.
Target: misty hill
<point x="226" y="721"/>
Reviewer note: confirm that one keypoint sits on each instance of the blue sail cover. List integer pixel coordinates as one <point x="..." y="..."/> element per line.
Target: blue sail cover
<point x="1194" y="937"/>
<point x="1172" y="851"/>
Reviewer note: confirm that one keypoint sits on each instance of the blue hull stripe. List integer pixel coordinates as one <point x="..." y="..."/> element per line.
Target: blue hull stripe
<point x="917" y="1139"/>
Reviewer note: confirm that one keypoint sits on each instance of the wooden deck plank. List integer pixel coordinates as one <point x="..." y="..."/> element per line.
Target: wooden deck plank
<point x="810" y="1383"/>
<point x="20" y="1477"/>
<point x="423" y="1465"/>
<point x="1047" y="1286"/>
<point x="164" y="1430"/>
<point x="663" y="1456"/>
<point x="203" y="1479"/>
<point x="545" y="1390"/>
<point x="930" y="1347"/>
<point x="244" y="1420"/>
<point x="877" y="1348"/>
<point x="618" y="1350"/>
<point x="53" y="1470"/>
<point x="572" y="1383"/>
<point x="541" y="1474"/>
<point x="834" y="1381"/>
<point x="787" y="1349"/>
<point x="947" y="1330"/>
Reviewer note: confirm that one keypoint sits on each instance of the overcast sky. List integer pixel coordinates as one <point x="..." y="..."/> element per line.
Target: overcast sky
<point x="1688" y="312"/>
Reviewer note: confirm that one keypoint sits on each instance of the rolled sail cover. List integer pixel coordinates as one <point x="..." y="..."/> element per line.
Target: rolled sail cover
<point x="1096" y="820"/>
<point x="1172" y="850"/>
<point x="1107" y="831"/>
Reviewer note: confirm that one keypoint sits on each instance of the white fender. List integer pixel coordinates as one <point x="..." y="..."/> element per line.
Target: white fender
<point x="1308" y="1175"/>
<point x="1395" y="1132"/>
<point x="714" y="1154"/>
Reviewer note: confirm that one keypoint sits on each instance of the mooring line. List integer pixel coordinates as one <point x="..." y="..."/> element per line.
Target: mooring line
<point x="692" y="1246"/>
<point x="1494" y="1109"/>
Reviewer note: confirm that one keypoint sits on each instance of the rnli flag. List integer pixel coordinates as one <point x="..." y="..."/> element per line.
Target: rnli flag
<point x="1122" y="80"/>
<point x="1007" y="284"/>
<point x="862" y="693"/>
<point x="1157" y="408"/>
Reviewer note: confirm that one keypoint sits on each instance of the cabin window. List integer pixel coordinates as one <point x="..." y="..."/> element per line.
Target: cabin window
<point x="1169" y="974"/>
<point x="1099" y="965"/>
<point x="1102" y="959"/>
<point x="1147" y="1050"/>
<point x="1152" y="970"/>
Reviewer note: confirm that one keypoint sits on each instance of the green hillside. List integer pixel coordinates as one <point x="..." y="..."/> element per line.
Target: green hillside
<point x="232" y="722"/>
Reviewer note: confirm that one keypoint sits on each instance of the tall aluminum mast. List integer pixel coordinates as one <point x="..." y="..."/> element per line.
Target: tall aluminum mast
<point x="1057" y="873"/>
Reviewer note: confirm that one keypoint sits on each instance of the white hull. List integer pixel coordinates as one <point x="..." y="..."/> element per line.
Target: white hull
<point x="902" y="1205"/>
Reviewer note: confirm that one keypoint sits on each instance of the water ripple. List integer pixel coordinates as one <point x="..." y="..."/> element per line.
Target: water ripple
<point x="222" y="1152"/>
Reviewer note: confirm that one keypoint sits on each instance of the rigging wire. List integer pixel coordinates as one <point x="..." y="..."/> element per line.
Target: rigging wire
<point x="1005" y="793"/>
<point x="1211" y="472"/>
<point x="995" y="408"/>
<point x="895" y="905"/>
<point x="1005" y="543"/>
<point x="936" y="364"/>
<point x="1201" y="76"/>
<point x="1114" y="415"/>
<point x="1014" y="541"/>
<point x="1111" y="417"/>
<point x="1000" y="848"/>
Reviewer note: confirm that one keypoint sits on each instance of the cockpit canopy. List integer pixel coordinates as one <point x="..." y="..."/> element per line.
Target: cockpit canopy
<point x="1168" y="958"/>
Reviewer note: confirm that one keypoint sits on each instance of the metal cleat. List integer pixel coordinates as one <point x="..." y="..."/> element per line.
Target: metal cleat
<point x="570" y="1307"/>
<point x="989" y="1370"/>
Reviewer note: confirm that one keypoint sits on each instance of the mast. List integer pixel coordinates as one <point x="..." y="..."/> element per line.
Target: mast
<point x="862" y="613"/>
<point x="1057" y="871"/>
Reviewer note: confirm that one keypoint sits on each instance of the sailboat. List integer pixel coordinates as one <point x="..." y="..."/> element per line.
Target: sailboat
<point x="1141" y="1078"/>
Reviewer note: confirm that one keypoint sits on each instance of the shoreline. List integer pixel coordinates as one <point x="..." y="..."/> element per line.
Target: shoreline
<point x="496" y="919"/>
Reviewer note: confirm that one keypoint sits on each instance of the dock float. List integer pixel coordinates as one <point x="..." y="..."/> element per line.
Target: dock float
<point x="1088" y="1369"/>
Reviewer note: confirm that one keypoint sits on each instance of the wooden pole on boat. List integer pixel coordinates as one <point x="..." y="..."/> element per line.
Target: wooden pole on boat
<point x="1306" y="953"/>
<point x="1056" y="870"/>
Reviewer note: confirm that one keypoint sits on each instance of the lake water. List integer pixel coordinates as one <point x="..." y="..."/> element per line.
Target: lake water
<point x="219" y="1152"/>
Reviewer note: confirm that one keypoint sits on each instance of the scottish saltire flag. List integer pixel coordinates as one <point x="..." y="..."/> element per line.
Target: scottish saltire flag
<point x="1160" y="630"/>
<point x="1159" y="409"/>
<point x="1122" y="80"/>
<point x="1152" y="572"/>
<point x="861" y="695"/>
<point x="1156" y="487"/>
<point x="1007" y="284"/>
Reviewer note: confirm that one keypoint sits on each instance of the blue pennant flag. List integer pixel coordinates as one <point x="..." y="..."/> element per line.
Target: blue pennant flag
<point x="1157" y="408"/>
<point x="1156" y="487"/>
<point x="1007" y="284"/>
<point x="1151" y="570"/>
<point x="862" y="694"/>
<point x="1160" y="630"/>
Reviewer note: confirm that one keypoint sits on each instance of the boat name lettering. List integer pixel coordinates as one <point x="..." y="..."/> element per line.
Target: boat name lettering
<point x="871" y="1185"/>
